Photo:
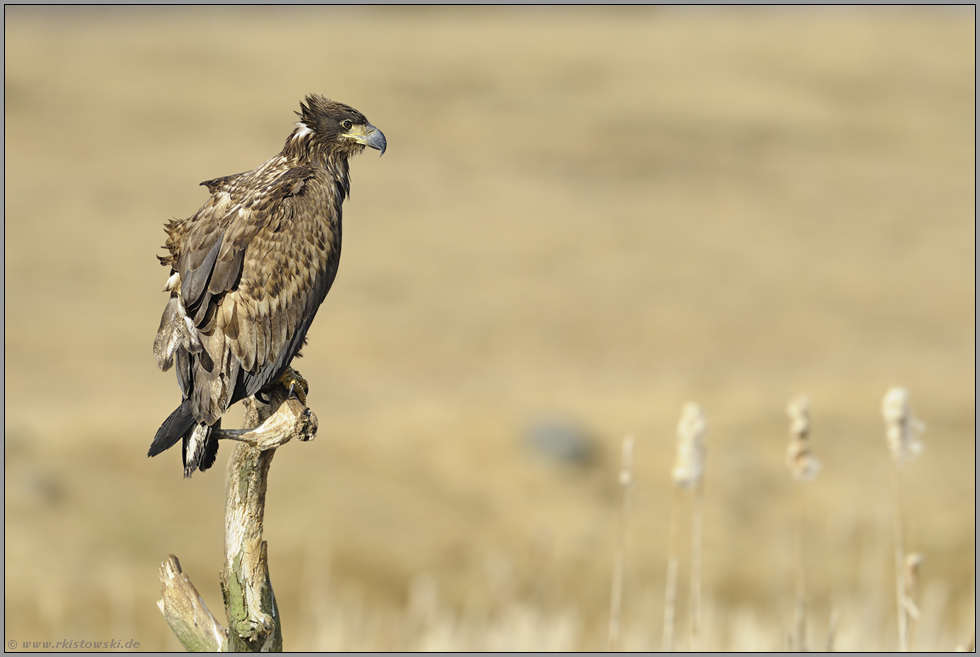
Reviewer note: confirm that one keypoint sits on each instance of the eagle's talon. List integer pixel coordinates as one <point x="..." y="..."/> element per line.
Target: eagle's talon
<point x="295" y="384"/>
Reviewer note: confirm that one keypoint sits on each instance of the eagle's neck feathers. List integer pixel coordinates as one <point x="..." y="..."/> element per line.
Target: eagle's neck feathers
<point x="301" y="131"/>
<point x="302" y="148"/>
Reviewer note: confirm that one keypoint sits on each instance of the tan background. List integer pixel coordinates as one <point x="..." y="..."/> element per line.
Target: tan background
<point x="589" y="214"/>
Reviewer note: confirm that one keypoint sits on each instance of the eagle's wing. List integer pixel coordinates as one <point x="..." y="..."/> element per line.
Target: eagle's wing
<point x="251" y="269"/>
<point x="223" y="183"/>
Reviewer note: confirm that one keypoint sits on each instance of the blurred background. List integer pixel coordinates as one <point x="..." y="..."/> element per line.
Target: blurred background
<point x="586" y="217"/>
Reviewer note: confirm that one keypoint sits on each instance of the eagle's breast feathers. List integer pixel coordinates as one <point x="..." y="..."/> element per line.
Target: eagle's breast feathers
<point x="249" y="269"/>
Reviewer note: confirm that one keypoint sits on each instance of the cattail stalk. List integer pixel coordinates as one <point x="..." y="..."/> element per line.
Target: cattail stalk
<point x="832" y="630"/>
<point x="799" y="624"/>
<point x="670" y="595"/>
<point x="687" y="473"/>
<point x="696" y="526"/>
<point x="913" y="562"/>
<point x="803" y="466"/>
<point x="903" y="636"/>
<point x="901" y="431"/>
<point x="616" y="604"/>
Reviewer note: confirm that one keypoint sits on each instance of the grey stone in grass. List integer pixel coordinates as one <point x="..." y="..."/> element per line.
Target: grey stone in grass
<point x="561" y="439"/>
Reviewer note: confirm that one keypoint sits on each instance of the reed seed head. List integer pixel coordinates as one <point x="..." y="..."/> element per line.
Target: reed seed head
<point x="902" y="428"/>
<point x="799" y="457"/>
<point x="689" y="465"/>
<point x="913" y="564"/>
<point x="626" y="473"/>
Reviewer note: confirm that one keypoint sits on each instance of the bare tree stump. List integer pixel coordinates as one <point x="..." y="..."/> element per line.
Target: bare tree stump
<point x="250" y="603"/>
<point x="185" y="611"/>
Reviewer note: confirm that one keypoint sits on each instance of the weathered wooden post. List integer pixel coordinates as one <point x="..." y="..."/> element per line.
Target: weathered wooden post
<point x="250" y="603"/>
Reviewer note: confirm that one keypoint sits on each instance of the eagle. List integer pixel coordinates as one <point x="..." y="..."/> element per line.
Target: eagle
<point x="248" y="272"/>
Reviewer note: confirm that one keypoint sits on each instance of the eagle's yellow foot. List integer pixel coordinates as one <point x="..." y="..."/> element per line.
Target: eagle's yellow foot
<point x="293" y="382"/>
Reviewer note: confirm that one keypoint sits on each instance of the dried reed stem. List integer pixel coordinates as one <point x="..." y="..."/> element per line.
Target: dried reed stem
<point x="901" y="429"/>
<point x="903" y="636"/>
<point x="696" y="526"/>
<point x="687" y="473"/>
<point x="913" y="562"/>
<point x="799" y="624"/>
<point x="804" y="467"/>
<point x="616" y="603"/>
<point x="832" y="630"/>
<point x="670" y="594"/>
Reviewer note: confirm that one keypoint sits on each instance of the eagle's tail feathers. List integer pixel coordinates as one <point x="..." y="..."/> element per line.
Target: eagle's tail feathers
<point x="200" y="448"/>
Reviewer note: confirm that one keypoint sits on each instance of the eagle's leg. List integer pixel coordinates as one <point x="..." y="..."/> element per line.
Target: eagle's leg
<point x="293" y="382"/>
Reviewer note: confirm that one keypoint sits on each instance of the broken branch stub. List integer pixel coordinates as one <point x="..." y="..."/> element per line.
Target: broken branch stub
<point x="275" y="424"/>
<point x="185" y="611"/>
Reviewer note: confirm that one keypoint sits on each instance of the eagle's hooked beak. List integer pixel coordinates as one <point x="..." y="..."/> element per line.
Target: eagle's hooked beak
<point x="369" y="136"/>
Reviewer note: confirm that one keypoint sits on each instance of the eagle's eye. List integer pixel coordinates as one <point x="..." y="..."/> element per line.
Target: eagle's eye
<point x="346" y="123"/>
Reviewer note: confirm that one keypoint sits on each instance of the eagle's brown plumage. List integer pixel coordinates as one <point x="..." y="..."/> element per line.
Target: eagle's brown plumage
<point x="249" y="270"/>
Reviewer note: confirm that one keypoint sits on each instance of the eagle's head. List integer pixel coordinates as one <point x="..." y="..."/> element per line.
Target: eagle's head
<point x="337" y="127"/>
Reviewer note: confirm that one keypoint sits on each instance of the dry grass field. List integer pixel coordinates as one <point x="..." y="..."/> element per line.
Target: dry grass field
<point x="586" y="217"/>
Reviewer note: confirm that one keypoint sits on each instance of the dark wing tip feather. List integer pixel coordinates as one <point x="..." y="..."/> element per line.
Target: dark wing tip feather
<point x="172" y="429"/>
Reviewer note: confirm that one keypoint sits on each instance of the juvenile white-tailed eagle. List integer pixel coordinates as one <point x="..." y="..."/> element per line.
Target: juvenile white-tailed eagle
<point x="249" y="270"/>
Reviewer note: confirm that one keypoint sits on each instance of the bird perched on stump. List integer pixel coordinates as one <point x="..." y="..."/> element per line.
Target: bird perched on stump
<point x="248" y="272"/>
